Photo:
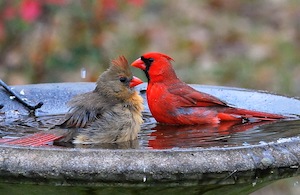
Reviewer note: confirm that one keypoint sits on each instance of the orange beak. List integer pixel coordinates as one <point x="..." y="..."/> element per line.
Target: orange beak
<point x="135" y="81"/>
<point x="139" y="64"/>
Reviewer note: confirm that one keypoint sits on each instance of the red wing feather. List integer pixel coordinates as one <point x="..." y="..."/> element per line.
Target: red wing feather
<point x="192" y="98"/>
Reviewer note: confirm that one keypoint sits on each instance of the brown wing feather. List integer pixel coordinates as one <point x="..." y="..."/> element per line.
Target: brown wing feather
<point x="81" y="112"/>
<point x="78" y="117"/>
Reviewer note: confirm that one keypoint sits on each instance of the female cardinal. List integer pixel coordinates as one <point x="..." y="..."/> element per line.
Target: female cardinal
<point x="110" y="113"/>
<point x="172" y="101"/>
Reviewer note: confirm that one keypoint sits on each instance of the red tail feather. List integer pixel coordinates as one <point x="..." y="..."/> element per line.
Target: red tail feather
<point x="237" y="113"/>
<point x="37" y="139"/>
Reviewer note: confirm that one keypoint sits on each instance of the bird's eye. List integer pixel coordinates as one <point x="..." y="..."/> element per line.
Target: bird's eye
<point x="123" y="79"/>
<point x="147" y="60"/>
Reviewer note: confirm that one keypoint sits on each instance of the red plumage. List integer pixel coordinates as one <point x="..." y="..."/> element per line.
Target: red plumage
<point x="172" y="101"/>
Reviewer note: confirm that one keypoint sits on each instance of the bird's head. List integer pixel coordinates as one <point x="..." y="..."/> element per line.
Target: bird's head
<point x="118" y="81"/>
<point x="155" y="65"/>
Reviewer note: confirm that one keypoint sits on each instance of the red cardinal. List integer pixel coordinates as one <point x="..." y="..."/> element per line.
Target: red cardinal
<point x="111" y="113"/>
<point x="172" y="101"/>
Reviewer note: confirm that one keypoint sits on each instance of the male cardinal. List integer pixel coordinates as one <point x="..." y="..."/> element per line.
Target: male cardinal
<point x="172" y="101"/>
<point x="110" y="113"/>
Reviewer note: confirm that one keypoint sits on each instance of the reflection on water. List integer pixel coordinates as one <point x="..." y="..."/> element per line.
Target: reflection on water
<point x="223" y="135"/>
<point x="165" y="137"/>
<point x="156" y="136"/>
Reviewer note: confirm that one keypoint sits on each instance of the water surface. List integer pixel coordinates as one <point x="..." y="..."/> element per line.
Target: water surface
<point x="156" y="136"/>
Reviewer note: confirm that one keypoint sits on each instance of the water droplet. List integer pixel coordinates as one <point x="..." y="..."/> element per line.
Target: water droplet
<point x="266" y="161"/>
<point x="283" y="140"/>
<point x="263" y="142"/>
<point x="11" y="116"/>
<point x="22" y="92"/>
<point x="83" y="73"/>
<point x="145" y="177"/>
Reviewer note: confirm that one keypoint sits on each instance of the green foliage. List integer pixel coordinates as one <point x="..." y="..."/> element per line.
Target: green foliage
<point x="252" y="44"/>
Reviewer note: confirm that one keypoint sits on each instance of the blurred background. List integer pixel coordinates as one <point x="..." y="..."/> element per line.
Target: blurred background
<point x="250" y="44"/>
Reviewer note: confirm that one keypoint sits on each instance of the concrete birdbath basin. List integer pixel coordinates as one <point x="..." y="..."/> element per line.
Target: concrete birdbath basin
<point x="176" y="156"/>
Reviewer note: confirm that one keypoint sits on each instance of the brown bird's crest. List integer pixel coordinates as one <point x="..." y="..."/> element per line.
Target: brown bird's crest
<point x="121" y="61"/>
<point x="120" y="66"/>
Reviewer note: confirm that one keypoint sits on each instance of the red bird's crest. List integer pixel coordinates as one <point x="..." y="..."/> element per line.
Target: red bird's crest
<point x="167" y="57"/>
<point x="157" y="55"/>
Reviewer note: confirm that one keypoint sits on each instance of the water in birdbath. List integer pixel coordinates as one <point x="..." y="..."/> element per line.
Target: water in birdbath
<point x="156" y="136"/>
<point x="240" y="158"/>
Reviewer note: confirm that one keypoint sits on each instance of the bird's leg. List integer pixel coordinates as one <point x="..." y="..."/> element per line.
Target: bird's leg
<point x="19" y="99"/>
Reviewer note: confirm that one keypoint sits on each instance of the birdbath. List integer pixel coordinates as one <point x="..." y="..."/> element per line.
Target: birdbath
<point x="163" y="154"/>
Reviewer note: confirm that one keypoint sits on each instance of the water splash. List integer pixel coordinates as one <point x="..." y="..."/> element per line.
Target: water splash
<point x="11" y="116"/>
<point x="83" y="73"/>
<point x="22" y="92"/>
<point x="145" y="177"/>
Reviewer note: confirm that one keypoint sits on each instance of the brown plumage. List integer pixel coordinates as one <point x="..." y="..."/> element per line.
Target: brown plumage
<point x="110" y="113"/>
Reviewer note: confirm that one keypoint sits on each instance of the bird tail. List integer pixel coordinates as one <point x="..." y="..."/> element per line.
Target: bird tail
<point x="248" y="115"/>
<point x="37" y="139"/>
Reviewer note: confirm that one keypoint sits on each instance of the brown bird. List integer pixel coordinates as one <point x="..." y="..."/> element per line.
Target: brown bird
<point x="110" y="113"/>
